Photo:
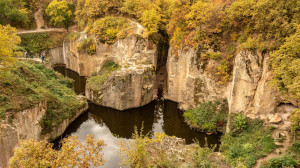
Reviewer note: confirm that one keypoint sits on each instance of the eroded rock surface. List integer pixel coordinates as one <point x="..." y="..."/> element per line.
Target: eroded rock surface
<point x="25" y="125"/>
<point x="188" y="83"/>
<point x="126" y="88"/>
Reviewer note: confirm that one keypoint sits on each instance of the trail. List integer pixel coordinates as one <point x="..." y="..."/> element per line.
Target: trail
<point x="282" y="146"/>
<point x="38" y="16"/>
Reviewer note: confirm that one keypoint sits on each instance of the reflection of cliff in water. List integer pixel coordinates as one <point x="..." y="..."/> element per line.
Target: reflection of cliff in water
<point x="122" y="123"/>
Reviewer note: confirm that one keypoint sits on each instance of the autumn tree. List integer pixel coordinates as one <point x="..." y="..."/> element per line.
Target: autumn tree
<point x="59" y="12"/>
<point x="285" y="67"/>
<point x="8" y="43"/>
<point x="73" y="153"/>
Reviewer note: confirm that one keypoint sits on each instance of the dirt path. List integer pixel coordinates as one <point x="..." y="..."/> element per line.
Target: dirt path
<point x="38" y="16"/>
<point x="42" y="30"/>
<point x="282" y="146"/>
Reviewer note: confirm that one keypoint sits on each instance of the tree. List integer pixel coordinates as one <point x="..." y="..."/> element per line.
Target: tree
<point x="59" y="12"/>
<point x="285" y="67"/>
<point x="8" y="43"/>
<point x="152" y="20"/>
<point x="13" y="12"/>
<point x="34" y="154"/>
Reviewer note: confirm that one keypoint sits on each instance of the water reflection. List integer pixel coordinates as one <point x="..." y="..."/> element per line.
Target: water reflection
<point x="111" y="125"/>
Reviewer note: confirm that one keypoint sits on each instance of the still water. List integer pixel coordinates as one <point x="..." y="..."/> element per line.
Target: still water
<point x="112" y="125"/>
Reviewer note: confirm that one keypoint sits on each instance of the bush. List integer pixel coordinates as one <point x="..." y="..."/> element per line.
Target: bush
<point x="281" y="162"/>
<point x="97" y="80"/>
<point x="252" y="142"/>
<point x="110" y="28"/>
<point x="38" y="42"/>
<point x="209" y="117"/>
<point x="87" y="46"/>
<point x="30" y="83"/>
<point x="296" y="148"/>
<point x="239" y="122"/>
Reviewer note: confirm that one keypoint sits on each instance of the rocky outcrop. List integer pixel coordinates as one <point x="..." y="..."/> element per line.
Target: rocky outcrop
<point x="131" y="50"/>
<point x="25" y="125"/>
<point x="189" y="82"/>
<point x="126" y="88"/>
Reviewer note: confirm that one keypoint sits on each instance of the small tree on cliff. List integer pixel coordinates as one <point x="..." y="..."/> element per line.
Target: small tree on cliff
<point x="59" y="12"/>
<point x="34" y="154"/>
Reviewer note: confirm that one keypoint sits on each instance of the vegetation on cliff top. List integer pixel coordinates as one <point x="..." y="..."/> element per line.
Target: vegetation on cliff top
<point x="37" y="42"/>
<point x="208" y="117"/>
<point x="60" y="13"/>
<point x="98" y="79"/>
<point x="29" y="83"/>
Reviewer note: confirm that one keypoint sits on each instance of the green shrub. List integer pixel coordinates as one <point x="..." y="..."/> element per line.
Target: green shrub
<point x="87" y="46"/>
<point x="38" y="42"/>
<point x="281" y="162"/>
<point x="250" y="143"/>
<point x="239" y="122"/>
<point x="209" y="117"/>
<point x="30" y="83"/>
<point x="296" y="148"/>
<point x="96" y="81"/>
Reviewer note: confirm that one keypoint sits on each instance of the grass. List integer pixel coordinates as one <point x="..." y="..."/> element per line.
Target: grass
<point x="98" y="79"/>
<point x="248" y="142"/>
<point x="37" y="42"/>
<point x="30" y="83"/>
<point x="208" y="117"/>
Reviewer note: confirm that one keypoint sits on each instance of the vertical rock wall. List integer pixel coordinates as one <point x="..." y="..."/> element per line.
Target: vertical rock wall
<point x="248" y="90"/>
<point x="25" y="125"/>
<point x="126" y="88"/>
<point x="188" y="83"/>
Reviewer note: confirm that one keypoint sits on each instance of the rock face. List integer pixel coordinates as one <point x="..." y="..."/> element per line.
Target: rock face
<point x="188" y="83"/>
<point x="248" y="90"/>
<point x="130" y="50"/>
<point x="126" y="88"/>
<point x="8" y="141"/>
<point x="25" y="125"/>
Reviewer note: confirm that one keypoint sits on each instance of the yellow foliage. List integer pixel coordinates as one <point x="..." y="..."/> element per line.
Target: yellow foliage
<point x="8" y="43"/>
<point x="34" y="154"/>
<point x="59" y="12"/>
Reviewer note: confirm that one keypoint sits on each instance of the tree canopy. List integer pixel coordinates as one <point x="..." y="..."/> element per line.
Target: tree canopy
<point x="13" y="12"/>
<point x="59" y="12"/>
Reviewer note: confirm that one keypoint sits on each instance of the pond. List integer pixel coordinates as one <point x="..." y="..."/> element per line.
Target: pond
<point x="112" y="125"/>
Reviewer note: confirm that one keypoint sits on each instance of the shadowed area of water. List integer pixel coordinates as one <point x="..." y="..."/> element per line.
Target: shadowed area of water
<point x="111" y="125"/>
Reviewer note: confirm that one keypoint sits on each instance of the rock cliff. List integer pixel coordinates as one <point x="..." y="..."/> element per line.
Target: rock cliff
<point x="126" y="88"/>
<point x="248" y="90"/>
<point x="188" y="83"/>
<point x="25" y="125"/>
